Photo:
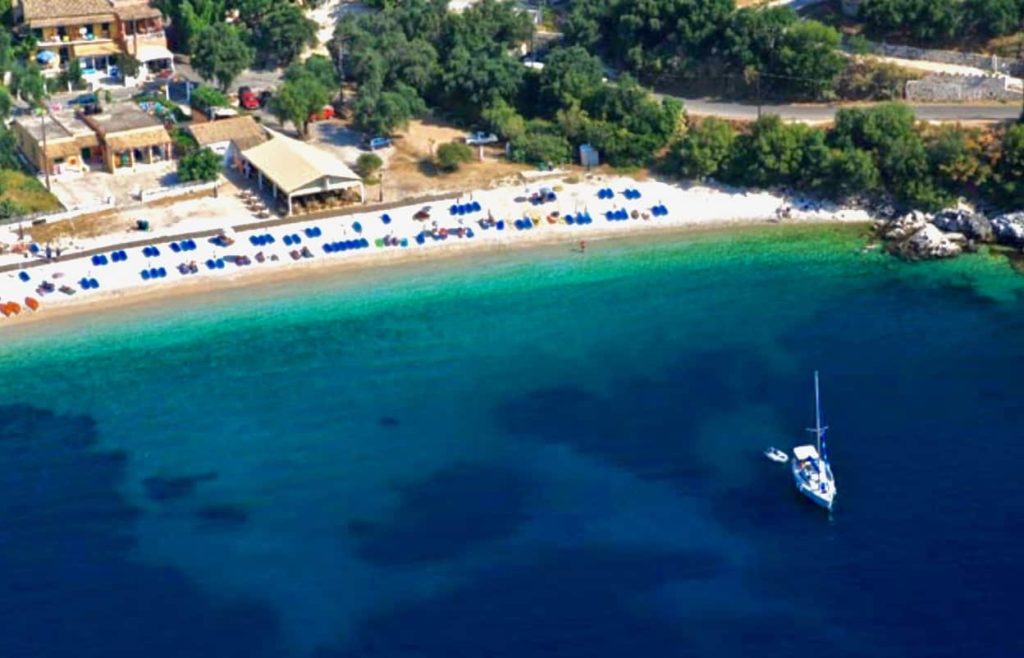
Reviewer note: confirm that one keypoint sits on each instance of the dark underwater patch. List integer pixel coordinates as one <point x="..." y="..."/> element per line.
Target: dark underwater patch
<point x="446" y="515"/>
<point x="72" y="584"/>
<point x="569" y="603"/>
<point x="223" y="514"/>
<point x="161" y="488"/>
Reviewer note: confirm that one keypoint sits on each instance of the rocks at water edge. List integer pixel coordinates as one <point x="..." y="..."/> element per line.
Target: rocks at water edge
<point x="913" y="237"/>
<point x="920" y="236"/>
<point x="1008" y="229"/>
<point x="973" y="226"/>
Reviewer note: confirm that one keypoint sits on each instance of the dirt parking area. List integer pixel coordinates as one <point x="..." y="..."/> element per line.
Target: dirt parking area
<point x="410" y="172"/>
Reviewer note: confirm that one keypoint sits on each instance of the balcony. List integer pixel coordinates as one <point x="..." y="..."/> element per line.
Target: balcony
<point x="75" y="40"/>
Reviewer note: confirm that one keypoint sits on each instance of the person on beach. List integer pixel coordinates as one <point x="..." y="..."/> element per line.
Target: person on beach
<point x="583" y="246"/>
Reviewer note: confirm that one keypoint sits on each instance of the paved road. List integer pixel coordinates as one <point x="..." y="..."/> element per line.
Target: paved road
<point x="824" y="113"/>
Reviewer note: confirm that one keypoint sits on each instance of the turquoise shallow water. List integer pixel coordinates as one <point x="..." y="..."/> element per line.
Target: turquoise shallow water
<point x="531" y="453"/>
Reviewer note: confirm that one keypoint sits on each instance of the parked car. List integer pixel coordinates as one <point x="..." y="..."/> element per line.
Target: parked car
<point x="478" y="138"/>
<point x="375" y="143"/>
<point x="84" y="99"/>
<point x="325" y="113"/>
<point x="247" y="99"/>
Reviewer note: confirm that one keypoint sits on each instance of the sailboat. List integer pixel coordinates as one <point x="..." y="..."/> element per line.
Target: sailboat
<point x="811" y="471"/>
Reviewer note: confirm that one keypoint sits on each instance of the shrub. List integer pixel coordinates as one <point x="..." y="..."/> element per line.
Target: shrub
<point x="451" y="155"/>
<point x="204" y="98"/>
<point x="201" y="165"/>
<point x="367" y="164"/>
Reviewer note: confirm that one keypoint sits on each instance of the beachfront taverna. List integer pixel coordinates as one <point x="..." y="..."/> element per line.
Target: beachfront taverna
<point x="300" y="176"/>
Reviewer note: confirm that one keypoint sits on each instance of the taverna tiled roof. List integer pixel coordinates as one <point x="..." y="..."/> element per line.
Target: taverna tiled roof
<point x="242" y="130"/>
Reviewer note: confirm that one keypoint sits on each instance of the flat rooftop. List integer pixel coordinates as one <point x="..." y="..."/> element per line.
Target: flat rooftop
<point x="60" y="124"/>
<point x="122" y="117"/>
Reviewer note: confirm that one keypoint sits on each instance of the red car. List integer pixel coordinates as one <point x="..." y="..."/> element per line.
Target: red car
<point x="327" y="112"/>
<point x="248" y="99"/>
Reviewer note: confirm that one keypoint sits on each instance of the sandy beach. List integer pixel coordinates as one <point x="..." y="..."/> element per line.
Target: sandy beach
<point x="552" y="212"/>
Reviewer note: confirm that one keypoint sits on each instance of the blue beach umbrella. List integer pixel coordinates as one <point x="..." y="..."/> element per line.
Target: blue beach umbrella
<point x="45" y="57"/>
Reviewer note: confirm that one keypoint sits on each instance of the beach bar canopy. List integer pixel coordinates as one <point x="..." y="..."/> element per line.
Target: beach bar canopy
<point x="298" y="169"/>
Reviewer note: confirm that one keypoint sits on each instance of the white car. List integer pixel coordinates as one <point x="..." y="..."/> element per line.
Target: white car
<point x="478" y="138"/>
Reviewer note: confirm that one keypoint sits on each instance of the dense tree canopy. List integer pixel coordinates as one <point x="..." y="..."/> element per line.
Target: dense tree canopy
<point x="870" y="151"/>
<point x="276" y="30"/>
<point x="710" y="39"/>
<point x="220" y="53"/>
<point x="281" y="35"/>
<point x="942" y="21"/>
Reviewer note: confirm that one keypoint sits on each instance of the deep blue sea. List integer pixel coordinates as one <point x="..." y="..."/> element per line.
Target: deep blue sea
<point x="532" y="453"/>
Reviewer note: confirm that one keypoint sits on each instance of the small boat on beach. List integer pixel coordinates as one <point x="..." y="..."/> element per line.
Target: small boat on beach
<point x="812" y="472"/>
<point x="776" y="455"/>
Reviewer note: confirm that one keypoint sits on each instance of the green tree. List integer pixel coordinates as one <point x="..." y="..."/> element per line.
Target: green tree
<point x="72" y="76"/>
<point x="582" y="26"/>
<point x="809" y="58"/>
<point x="570" y="75"/>
<point x="384" y="112"/>
<point x="504" y="120"/>
<point x="472" y="81"/>
<point x="853" y="172"/>
<point x="664" y="36"/>
<point x="1007" y="186"/>
<point x="190" y="17"/>
<point x="367" y="164"/>
<point x="956" y="158"/>
<point x="220" y="53"/>
<point x="128" y="65"/>
<point x="28" y="84"/>
<point x="316" y="66"/>
<point x="297" y="100"/>
<point x="200" y="165"/>
<point x="769" y="155"/>
<point x="451" y="155"/>
<point x="541" y="143"/>
<point x="282" y="33"/>
<point x="8" y="150"/>
<point x="6" y="103"/>
<point x="7" y="57"/>
<point x="993" y="18"/>
<point x="754" y="36"/>
<point x="705" y="148"/>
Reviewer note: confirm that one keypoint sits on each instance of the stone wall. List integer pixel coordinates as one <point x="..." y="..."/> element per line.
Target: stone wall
<point x="976" y="60"/>
<point x="940" y="87"/>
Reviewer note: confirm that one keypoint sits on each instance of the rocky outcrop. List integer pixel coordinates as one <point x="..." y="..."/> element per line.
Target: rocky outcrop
<point x="1008" y="229"/>
<point x="914" y="237"/>
<point x="929" y="243"/>
<point x="956" y="220"/>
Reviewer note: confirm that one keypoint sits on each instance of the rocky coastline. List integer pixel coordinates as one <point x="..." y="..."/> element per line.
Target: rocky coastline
<point x="948" y="233"/>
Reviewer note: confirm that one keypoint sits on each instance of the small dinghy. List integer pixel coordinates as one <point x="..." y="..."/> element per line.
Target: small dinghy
<point x="776" y="455"/>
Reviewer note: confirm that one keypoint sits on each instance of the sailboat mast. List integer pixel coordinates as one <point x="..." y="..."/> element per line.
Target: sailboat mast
<point x="817" y="411"/>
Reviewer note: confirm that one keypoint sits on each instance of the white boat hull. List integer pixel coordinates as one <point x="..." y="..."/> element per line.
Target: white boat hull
<point x="813" y="476"/>
<point x="820" y="499"/>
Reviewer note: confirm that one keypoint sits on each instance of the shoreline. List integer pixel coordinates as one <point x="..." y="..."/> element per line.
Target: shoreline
<point x="145" y="298"/>
<point x="127" y="292"/>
